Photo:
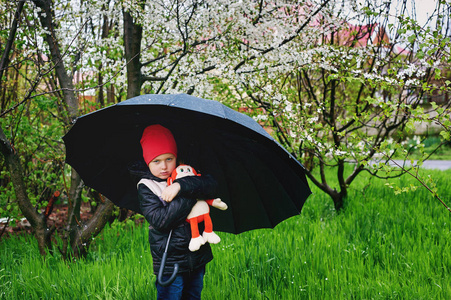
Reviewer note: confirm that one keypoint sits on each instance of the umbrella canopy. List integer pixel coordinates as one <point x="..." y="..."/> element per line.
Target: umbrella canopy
<point x="260" y="181"/>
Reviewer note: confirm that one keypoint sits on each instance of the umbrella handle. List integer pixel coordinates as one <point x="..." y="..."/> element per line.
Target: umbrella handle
<point x="160" y="273"/>
<point x="163" y="263"/>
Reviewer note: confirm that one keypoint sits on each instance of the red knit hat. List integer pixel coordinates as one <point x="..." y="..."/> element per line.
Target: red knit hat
<point x="157" y="140"/>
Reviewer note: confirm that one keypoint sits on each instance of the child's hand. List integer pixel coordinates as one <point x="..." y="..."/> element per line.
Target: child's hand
<point x="170" y="192"/>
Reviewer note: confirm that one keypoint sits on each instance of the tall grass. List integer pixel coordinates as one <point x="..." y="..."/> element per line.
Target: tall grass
<point x="381" y="246"/>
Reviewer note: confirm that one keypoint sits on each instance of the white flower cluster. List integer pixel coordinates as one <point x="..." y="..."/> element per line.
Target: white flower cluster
<point x="412" y="70"/>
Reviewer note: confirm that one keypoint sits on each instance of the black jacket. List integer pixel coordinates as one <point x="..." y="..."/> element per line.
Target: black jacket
<point x="163" y="217"/>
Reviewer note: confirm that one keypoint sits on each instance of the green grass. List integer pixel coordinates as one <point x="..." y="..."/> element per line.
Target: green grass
<point x="430" y="148"/>
<point x="381" y="246"/>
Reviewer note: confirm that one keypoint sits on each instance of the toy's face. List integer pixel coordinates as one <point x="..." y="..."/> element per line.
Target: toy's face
<point x="184" y="170"/>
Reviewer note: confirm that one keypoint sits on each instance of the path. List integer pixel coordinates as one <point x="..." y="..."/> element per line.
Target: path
<point x="429" y="164"/>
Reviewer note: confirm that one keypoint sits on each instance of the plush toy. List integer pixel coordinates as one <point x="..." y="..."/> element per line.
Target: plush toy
<point x="200" y="212"/>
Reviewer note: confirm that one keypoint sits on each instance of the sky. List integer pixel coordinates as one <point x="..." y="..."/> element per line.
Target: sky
<point x="424" y="9"/>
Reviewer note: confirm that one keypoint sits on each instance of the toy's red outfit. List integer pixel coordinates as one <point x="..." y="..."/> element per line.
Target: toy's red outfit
<point x="194" y="221"/>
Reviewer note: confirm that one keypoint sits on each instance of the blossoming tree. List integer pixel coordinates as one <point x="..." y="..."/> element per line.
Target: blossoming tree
<point x="334" y="80"/>
<point x="339" y="82"/>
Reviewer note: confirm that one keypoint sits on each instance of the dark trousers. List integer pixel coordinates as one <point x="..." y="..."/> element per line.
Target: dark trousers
<point x="185" y="286"/>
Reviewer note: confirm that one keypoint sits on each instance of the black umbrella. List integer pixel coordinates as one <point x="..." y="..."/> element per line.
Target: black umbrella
<point x="260" y="181"/>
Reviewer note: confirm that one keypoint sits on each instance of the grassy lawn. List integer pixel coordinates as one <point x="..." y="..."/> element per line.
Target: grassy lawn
<point x="430" y="147"/>
<point x="381" y="246"/>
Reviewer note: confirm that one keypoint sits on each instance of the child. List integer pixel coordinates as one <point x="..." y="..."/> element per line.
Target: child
<point x="166" y="208"/>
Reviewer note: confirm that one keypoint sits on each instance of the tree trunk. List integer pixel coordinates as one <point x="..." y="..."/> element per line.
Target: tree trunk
<point x="104" y="35"/>
<point x="46" y="18"/>
<point x="37" y="220"/>
<point x="11" y="36"/>
<point x="132" y="44"/>
<point x="338" y="199"/>
<point x="82" y="239"/>
<point x="100" y="96"/>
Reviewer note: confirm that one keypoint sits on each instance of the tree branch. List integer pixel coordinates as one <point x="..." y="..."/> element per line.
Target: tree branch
<point x="11" y="36"/>
<point x="287" y="40"/>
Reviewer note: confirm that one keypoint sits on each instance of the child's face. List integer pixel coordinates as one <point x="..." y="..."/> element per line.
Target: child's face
<point x="163" y="165"/>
